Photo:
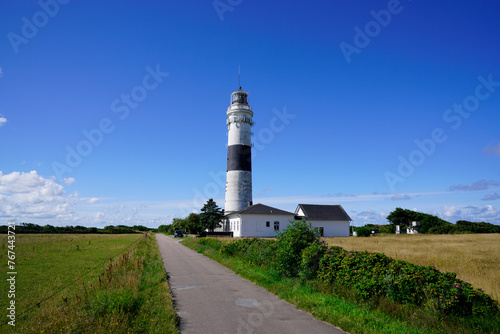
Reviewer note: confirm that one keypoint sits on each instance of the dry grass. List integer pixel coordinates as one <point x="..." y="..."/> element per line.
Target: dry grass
<point x="474" y="257"/>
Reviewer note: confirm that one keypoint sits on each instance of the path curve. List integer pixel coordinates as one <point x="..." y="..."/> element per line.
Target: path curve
<point x="210" y="298"/>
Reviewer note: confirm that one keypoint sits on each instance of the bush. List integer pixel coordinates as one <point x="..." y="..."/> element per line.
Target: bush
<point x="388" y="229"/>
<point x="210" y="242"/>
<point x="442" y="229"/>
<point x="374" y="275"/>
<point x="255" y="251"/>
<point x="290" y="244"/>
<point x="364" y="231"/>
<point x="311" y="256"/>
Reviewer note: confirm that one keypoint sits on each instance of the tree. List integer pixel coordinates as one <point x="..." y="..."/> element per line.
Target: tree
<point x="163" y="228"/>
<point x="465" y="226"/>
<point x="210" y="216"/>
<point x="178" y="224"/>
<point x="193" y="223"/>
<point x="402" y="217"/>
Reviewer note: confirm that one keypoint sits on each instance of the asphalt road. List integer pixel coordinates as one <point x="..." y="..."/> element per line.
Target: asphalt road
<point x="210" y="298"/>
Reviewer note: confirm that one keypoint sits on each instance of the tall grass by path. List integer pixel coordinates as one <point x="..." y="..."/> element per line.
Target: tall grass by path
<point x="127" y="294"/>
<point x="475" y="258"/>
<point x="45" y="263"/>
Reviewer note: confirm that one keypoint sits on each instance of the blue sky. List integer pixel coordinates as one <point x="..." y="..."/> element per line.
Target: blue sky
<point x="114" y="112"/>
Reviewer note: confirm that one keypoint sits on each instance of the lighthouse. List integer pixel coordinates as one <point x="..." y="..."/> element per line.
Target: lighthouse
<point x="239" y="153"/>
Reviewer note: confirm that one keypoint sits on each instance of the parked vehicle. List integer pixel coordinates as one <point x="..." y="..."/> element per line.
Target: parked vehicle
<point x="178" y="233"/>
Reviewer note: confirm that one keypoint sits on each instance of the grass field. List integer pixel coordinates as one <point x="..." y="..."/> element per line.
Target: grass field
<point x="89" y="283"/>
<point x="474" y="257"/>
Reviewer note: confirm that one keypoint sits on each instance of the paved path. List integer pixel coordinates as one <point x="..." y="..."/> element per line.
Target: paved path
<point x="211" y="299"/>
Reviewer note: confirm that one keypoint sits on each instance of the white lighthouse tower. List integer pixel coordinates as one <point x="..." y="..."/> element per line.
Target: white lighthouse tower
<point x="239" y="153"/>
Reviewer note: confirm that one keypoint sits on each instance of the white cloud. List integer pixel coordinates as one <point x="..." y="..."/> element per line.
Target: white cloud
<point x="26" y="196"/>
<point x="69" y="180"/>
<point x="474" y="213"/>
<point x="93" y="200"/>
<point x="451" y="211"/>
<point x="486" y="213"/>
<point x="493" y="150"/>
<point x="474" y="186"/>
<point x="3" y="120"/>
<point x="369" y="217"/>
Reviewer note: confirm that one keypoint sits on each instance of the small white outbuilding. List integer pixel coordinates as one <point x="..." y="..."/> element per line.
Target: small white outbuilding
<point x="260" y="220"/>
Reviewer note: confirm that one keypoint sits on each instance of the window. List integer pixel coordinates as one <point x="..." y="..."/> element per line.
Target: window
<point x="321" y="231"/>
<point x="276" y="226"/>
<point x="268" y="224"/>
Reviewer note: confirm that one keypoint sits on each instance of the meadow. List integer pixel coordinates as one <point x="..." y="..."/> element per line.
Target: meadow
<point x="475" y="258"/>
<point x="89" y="283"/>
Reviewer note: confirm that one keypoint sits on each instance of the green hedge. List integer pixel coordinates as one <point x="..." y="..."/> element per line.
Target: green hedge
<point x="373" y="275"/>
<point x="257" y="252"/>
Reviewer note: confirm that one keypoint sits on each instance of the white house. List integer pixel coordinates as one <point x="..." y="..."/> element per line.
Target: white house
<point x="257" y="220"/>
<point x="263" y="221"/>
<point x="332" y="220"/>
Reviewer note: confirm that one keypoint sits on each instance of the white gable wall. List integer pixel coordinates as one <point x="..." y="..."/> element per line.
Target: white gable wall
<point x="255" y="225"/>
<point x="332" y="228"/>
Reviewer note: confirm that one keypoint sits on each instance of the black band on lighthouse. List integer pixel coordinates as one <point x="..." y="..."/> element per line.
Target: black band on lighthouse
<point x="239" y="157"/>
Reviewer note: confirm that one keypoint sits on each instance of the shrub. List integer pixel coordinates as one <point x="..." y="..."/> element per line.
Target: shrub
<point x="442" y="229"/>
<point x="364" y="231"/>
<point x="210" y="242"/>
<point x="255" y="251"/>
<point x="311" y="256"/>
<point x="290" y="244"/>
<point x="374" y="275"/>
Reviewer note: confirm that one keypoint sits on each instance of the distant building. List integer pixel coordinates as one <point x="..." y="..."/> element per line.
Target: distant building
<point x="414" y="228"/>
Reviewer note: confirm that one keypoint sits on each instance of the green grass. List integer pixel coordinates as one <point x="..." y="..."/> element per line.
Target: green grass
<point x="125" y="289"/>
<point x="342" y="308"/>
<point x="47" y="262"/>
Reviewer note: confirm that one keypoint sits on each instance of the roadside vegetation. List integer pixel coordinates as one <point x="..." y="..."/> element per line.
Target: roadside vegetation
<point x="91" y="284"/>
<point x="361" y="292"/>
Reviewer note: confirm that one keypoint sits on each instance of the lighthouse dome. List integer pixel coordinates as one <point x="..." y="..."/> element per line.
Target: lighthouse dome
<point x="239" y="97"/>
